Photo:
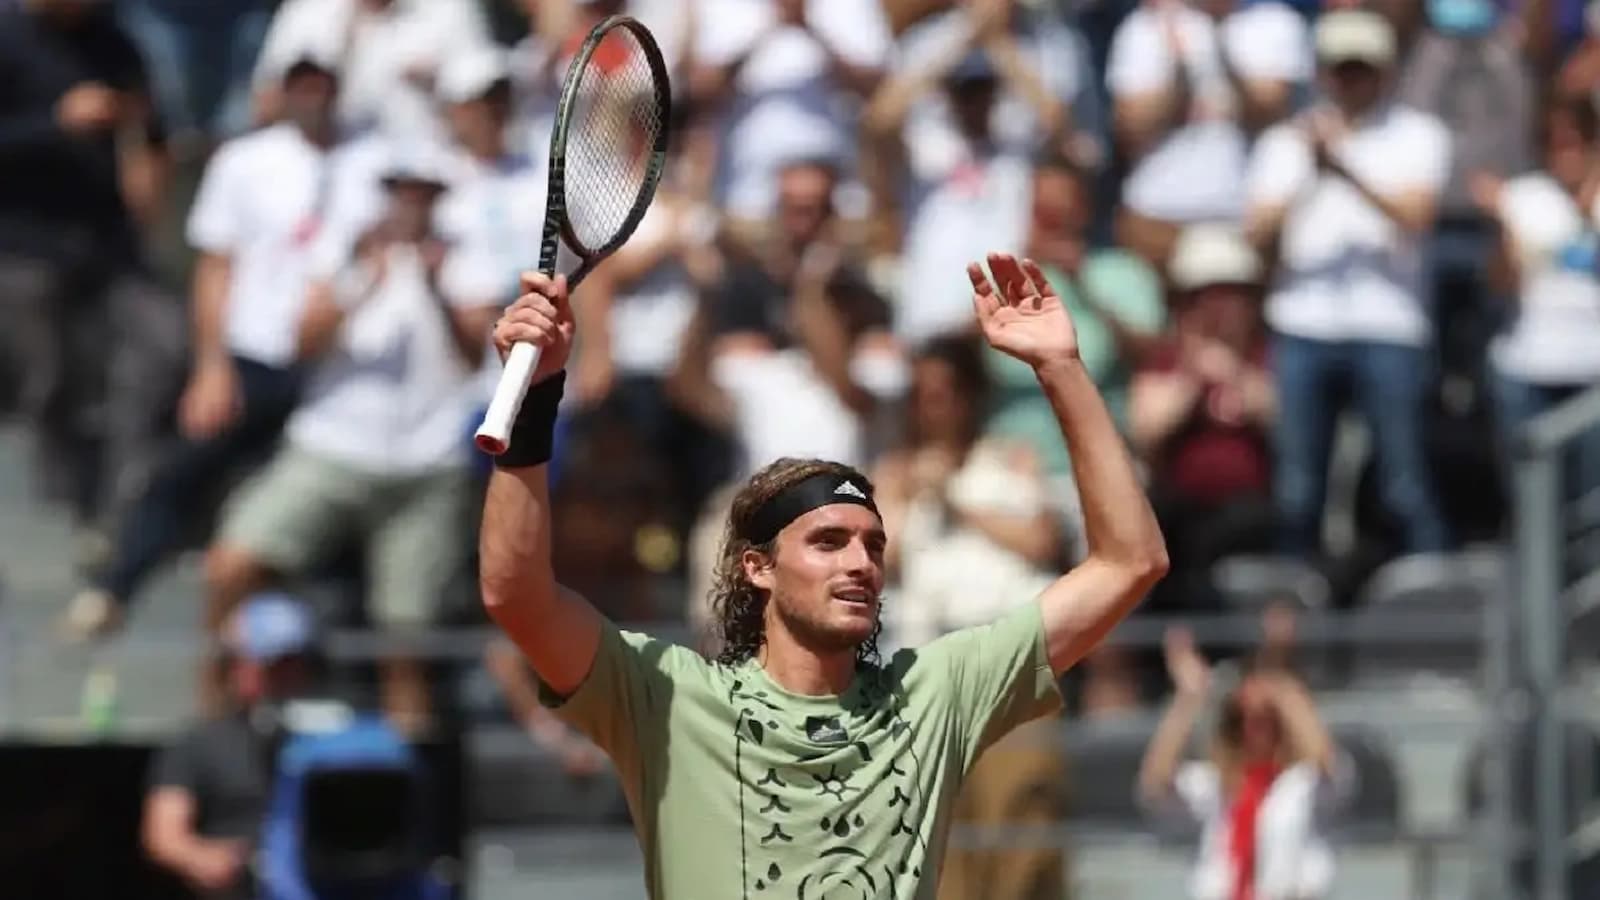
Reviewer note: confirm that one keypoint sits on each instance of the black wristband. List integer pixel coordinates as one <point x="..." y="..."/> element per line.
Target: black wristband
<point x="534" y="431"/>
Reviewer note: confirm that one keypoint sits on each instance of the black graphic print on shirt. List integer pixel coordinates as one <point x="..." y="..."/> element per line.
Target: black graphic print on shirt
<point x="830" y="776"/>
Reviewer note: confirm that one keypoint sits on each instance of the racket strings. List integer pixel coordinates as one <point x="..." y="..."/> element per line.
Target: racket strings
<point x="616" y="122"/>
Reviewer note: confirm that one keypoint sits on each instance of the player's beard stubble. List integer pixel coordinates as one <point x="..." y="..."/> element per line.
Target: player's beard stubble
<point x="823" y="629"/>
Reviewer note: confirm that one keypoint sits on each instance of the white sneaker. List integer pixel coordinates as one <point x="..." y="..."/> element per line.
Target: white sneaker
<point x="93" y="613"/>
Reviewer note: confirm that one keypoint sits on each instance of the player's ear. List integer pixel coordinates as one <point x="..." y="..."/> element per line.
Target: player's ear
<point x="757" y="568"/>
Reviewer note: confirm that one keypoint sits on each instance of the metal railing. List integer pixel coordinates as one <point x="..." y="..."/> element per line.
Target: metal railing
<point x="1540" y="566"/>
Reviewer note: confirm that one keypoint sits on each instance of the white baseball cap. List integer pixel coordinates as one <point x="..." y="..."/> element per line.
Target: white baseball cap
<point x="468" y="76"/>
<point x="1355" y="35"/>
<point x="416" y="161"/>
<point x="1212" y="254"/>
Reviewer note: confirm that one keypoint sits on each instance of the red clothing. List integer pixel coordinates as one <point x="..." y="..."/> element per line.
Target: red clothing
<point x="1209" y="459"/>
<point x="1254" y="783"/>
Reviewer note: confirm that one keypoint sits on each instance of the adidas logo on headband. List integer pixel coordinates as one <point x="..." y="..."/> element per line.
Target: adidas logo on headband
<point x="849" y="490"/>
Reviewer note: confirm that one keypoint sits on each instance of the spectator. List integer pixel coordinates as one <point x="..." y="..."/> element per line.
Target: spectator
<point x="200" y="54"/>
<point x="965" y="189"/>
<point x="1263" y="799"/>
<point x="249" y="280"/>
<point x="791" y="325"/>
<point x="973" y="516"/>
<point x="1016" y="83"/>
<point x="495" y="206"/>
<point x="1201" y="412"/>
<point x="782" y="75"/>
<point x="1190" y="85"/>
<point x="394" y="49"/>
<point x="85" y="171"/>
<point x="1114" y="299"/>
<point x="1050" y="102"/>
<point x="1469" y="70"/>
<point x="1550" y="268"/>
<point x="209" y="790"/>
<point x="639" y="306"/>
<point x="1347" y="195"/>
<point x="376" y="453"/>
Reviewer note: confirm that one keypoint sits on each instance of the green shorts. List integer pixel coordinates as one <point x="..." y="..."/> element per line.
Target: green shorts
<point x="415" y="529"/>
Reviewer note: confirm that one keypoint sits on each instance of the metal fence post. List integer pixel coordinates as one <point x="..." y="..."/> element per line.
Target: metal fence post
<point x="1539" y="541"/>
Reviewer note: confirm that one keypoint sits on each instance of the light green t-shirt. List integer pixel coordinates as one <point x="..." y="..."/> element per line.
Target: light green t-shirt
<point x="740" y="790"/>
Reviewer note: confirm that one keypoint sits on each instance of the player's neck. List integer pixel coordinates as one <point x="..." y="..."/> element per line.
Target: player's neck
<point x="801" y="670"/>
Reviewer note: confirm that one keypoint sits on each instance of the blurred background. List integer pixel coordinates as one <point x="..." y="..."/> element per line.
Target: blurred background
<point x="1334" y="265"/>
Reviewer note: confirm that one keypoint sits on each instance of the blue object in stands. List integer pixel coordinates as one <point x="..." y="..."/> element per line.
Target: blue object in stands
<point x="346" y="818"/>
<point x="1463" y="18"/>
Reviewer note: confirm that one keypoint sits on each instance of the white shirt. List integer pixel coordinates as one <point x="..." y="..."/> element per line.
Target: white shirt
<point x="962" y="206"/>
<point x="1346" y="271"/>
<point x="1293" y="859"/>
<point x="498" y="210"/>
<point x="393" y="397"/>
<point x="1055" y="52"/>
<point x="785" y="105"/>
<point x="954" y="576"/>
<point x="783" y="407"/>
<point x="1197" y="171"/>
<point x="650" y="316"/>
<point x="380" y="50"/>
<point x="261" y="203"/>
<point x="1555" y="335"/>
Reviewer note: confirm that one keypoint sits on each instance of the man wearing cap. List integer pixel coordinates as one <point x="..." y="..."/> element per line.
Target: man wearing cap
<point x="1201" y="410"/>
<point x="1346" y="197"/>
<point x="259" y="209"/>
<point x="209" y="790"/>
<point x="393" y="330"/>
<point x="967" y="186"/>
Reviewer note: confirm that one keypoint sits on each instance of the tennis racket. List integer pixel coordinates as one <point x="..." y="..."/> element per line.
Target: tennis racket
<point x="607" y="151"/>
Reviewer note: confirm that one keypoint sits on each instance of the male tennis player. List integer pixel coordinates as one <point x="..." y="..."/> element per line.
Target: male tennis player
<point x="797" y="764"/>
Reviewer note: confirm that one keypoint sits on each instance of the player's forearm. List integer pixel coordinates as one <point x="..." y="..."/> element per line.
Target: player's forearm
<point x="1119" y="525"/>
<point x="514" y="544"/>
<point x="211" y="276"/>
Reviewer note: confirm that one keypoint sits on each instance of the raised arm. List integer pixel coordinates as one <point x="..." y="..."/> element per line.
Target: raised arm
<point x="1024" y="318"/>
<point x="556" y="629"/>
<point x="1191" y="679"/>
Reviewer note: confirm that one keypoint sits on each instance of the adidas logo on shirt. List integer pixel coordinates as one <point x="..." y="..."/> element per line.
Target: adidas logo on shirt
<point x="849" y="490"/>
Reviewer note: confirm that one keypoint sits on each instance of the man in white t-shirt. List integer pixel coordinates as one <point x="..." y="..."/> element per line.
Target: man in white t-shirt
<point x="965" y="189"/>
<point x="260" y="206"/>
<point x="1048" y="99"/>
<point x="377" y="451"/>
<point x="1190" y="85"/>
<point x="1348" y="195"/>
<point x="391" y="51"/>
<point x="785" y="74"/>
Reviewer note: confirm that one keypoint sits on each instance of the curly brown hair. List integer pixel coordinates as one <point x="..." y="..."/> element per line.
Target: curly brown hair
<point x="738" y="607"/>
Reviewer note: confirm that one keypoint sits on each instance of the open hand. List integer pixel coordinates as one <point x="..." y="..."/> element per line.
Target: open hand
<point x="1023" y="317"/>
<point x="542" y="316"/>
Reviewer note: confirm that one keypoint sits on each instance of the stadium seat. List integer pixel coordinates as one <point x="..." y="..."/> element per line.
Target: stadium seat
<point x="1374" y="813"/>
<point x="1461" y="586"/>
<point x="1103" y="777"/>
<point x="1249" y="583"/>
<point x="513" y="782"/>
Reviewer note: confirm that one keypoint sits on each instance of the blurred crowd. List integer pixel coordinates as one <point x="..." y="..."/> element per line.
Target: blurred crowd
<point x="1268" y="221"/>
<point x="250" y="253"/>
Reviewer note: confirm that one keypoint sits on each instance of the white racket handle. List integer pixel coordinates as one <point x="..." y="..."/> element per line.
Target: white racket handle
<point x="494" y="435"/>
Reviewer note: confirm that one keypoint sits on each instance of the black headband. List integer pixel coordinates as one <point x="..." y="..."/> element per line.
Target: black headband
<point x="802" y="497"/>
